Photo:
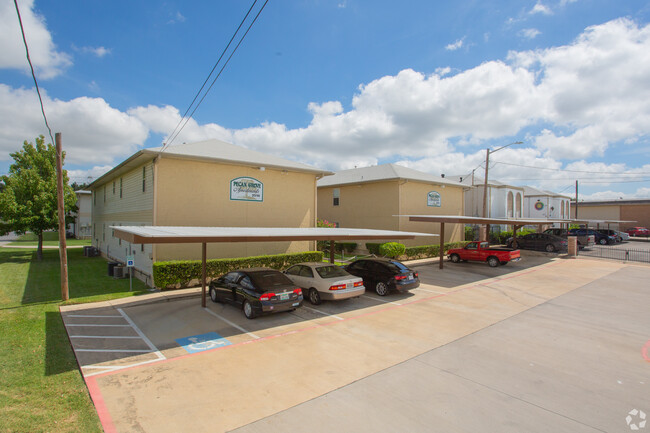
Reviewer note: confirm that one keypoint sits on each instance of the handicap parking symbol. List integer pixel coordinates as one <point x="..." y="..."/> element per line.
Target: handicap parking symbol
<point x="199" y="343"/>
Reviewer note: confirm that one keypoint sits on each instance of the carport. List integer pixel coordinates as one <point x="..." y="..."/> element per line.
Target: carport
<point x="205" y="235"/>
<point x="516" y="223"/>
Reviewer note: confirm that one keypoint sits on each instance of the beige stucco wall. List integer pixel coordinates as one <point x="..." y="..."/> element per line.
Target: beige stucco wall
<point x="197" y="193"/>
<point x="413" y="201"/>
<point x="585" y="211"/>
<point x="372" y="205"/>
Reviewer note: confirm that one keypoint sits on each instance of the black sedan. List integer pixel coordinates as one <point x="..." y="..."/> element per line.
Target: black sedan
<point x="540" y="241"/>
<point x="257" y="291"/>
<point x="384" y="275"/>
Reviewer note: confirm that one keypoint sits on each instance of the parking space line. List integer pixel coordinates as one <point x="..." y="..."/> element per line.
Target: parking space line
<point x="323" y="313"/>
<point x="104" y="336"/>
<point x="250" y="334"/>
<point x="115" y="350"/>
<point x="381" y="300"/>
<point x="113" y="368"/>
<point x="153" y="348"/>
<point x="430" y="291"/>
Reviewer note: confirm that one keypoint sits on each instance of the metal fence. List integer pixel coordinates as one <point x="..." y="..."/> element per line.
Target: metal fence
<point x="627" y="254"/>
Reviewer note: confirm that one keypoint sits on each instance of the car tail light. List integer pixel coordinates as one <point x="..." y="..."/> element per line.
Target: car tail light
<point x="415" y="274"/>
<point x="358" y="284"/>
<point x="267" y="296"/>
<point x="297" y="292"/>
<point x="338" y="287"/>
<point x="400" y="277"/>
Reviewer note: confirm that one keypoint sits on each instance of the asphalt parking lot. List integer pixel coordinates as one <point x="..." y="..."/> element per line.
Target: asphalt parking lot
<point x="533" y="346"/>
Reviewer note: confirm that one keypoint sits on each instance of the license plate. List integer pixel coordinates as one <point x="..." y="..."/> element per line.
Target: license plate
<point x="283" y="296"/>
<point x="349" y="285"/>
<point x="411" y="276"/>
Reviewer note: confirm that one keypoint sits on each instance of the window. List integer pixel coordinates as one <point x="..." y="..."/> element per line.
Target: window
<point x="113" y="187"/>
<point x="144" y="179"/>
<point x="120" y="187"/>
<point x="305" y="271"/>
<point x="104" y="193"/>
<point x="104" y="232"/>
<point x="336" y="196"/>
<point x="294" y="270"/>
<point x="95" y="197"/>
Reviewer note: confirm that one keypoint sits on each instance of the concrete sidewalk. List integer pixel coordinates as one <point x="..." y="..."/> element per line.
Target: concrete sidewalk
<point x="245" y="383"/>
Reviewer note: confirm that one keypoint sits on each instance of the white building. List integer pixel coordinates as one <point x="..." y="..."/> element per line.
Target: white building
<point x="503" y="200"/>
<point x="82" y="226"/>
<point x="545" y="204"/>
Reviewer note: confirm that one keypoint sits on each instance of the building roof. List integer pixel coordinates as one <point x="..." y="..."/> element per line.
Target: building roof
<point x="467" y="181"/>
<point x="631" y="201"/>
<point x="529" y="191"/>
<point x="160" y="234"/>
<point x="382" y="172"/>
<point x="459" y="219"/>
<point x="209" y="150"/>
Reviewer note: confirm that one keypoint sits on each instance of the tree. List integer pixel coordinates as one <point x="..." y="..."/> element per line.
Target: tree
<point x="29" y="199"/>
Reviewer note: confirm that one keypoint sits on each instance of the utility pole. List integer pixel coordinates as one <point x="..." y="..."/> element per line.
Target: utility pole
<point x="63" y="254"/>
<point x="576" y="199"/>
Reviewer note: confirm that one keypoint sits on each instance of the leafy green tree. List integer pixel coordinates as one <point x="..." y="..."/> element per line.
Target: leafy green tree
<point x="29" y="200"/>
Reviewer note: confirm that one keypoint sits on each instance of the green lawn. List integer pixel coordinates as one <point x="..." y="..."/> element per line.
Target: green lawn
<point x="50" y="239"/>
<point x="41" y="388"/>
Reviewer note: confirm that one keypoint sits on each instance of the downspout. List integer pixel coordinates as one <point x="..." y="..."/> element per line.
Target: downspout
<point x="154" y="186"/>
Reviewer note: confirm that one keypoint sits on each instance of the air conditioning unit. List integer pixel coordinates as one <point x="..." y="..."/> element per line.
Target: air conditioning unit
<point x="119" y="272"/>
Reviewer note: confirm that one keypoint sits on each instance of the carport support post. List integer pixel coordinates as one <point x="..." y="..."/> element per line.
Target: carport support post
<point x="442" y="244"/>
<point x="331" y="251"/>
<point x="203" y="271"/>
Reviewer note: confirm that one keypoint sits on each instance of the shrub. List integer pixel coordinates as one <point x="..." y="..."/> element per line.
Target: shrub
<point x="426" y="251"/>
<point x="181" y="273"/>
<point x="391" y="249"/>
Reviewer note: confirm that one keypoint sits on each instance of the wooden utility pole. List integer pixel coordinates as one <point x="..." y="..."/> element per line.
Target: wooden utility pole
<point x="63" y="253"/>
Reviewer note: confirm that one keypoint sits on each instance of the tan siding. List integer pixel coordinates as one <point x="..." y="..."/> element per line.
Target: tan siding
<point x="193" y="193"/>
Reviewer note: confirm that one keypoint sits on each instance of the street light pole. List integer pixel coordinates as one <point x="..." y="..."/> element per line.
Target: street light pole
<point x="485" y="184"/>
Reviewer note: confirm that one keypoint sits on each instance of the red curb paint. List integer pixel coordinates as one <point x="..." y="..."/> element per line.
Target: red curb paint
<point x="645" y="350"/>
<point x="102" y="411"/>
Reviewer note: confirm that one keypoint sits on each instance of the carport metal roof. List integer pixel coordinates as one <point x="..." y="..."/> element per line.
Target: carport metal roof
<point x="460" y="219"/>
<point x="205" y="235"/>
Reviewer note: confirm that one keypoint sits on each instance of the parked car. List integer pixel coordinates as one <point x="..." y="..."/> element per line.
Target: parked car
<point x="601" y="238"/>
<point x="483" y="252"/>
<point x="257" y="291"/>
<point x="584" y="240"/>
<point x="384" y="275"/>
<point x="624" y="236"/>
<point x="638" y="231"/>
<point x="323" y="281"/>
<point x="612" y="233"/>
<point x="540" y="241"/>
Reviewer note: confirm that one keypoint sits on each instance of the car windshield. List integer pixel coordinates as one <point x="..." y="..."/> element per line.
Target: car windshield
<point x="269" y="279"/>
<point x="331" y="272"/>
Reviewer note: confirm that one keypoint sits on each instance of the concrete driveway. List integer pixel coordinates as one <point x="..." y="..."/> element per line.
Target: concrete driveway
<point x="545" y="345"/>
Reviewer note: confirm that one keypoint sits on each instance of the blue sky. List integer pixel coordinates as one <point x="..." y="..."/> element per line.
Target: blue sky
<point x="345" y="83"/>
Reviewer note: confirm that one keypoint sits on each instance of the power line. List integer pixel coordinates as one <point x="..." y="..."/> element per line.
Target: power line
<point x="29" y="60"/>
<point x="212" y="71"/>
<point x="187" y="119"/>
<point x="574" y="171"/>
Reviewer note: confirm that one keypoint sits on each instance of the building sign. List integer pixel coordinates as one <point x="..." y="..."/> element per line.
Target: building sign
<point x="539" y="205"/>
<point x="433" y="199"/>
<point x="246" y="189"/>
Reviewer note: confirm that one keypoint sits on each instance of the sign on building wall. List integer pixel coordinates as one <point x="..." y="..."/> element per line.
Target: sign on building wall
<point x="539" y="205"/>
<point x="246" y="189"/>
<point x="433" y="199"/>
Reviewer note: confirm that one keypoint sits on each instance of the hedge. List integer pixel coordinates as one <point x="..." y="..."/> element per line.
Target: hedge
<point x="391" y="249"/>
<point x="181" y="273"/>
<point x="419" y="252"/>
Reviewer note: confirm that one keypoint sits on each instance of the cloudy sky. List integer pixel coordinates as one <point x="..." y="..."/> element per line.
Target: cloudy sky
<point x="345" y="83"/>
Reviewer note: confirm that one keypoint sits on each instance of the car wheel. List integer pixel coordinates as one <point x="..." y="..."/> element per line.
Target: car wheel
<point x="602" y="241"/>
<point x="213" y="295"/>
<point x="381" y="288"/>
<point x="314" y="296"/>
<point x="455" y="258"/>
<point x="248" y="310"/>
<point x="550" y="248"/>
<point x="493" y="261"/>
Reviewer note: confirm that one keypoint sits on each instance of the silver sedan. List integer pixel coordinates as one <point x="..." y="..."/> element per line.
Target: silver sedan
<point x="324" y="281"/>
